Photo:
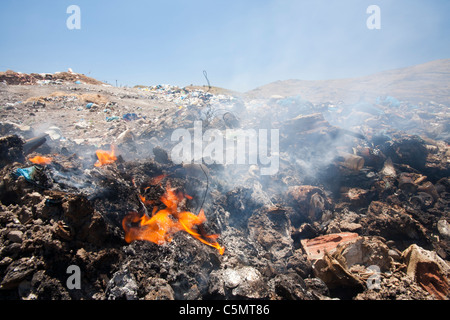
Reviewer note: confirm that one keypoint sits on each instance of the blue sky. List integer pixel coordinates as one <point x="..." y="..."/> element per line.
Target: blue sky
<point x="241" y="44"/>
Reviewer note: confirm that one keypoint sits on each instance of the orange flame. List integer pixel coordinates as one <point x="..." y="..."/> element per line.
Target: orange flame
<point x="105" y="157"/>
<point x="145" y="201"/>
<point x="166" y="222"/>
<point x="41" y="160"/>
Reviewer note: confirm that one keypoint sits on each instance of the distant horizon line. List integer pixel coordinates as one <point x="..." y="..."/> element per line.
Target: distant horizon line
<point x="213" y="86"/>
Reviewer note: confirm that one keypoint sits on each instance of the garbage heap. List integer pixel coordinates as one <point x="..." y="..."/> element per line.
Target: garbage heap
<point x="11" y="77"/>
<point x="356" y="209"/>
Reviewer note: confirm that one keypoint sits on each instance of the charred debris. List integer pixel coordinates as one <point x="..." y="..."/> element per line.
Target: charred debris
<point x="358" y="208"/>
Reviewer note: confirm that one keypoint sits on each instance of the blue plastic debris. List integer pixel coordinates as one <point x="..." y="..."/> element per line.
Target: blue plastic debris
<point x="78" y="82"/>
<point x="89" y="105"/>
<point x="109" y="119"/>
<point x="27" y="173"/>
<point x="130" y="116"/>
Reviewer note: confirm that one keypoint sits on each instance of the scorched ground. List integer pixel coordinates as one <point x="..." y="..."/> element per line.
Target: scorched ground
<point x="357" y="210"/>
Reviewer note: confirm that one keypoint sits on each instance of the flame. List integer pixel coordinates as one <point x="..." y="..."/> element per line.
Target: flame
<point x="41" y="160"/>
<point x="145" y="201"/>
<point x="188" y="220"/>
<point x="164" y="223"/>
<point x="105" y="157"/>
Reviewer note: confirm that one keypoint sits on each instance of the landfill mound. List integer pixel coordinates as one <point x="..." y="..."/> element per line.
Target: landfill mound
<point x="358" y="206"/>
<point x="18" y="78"/>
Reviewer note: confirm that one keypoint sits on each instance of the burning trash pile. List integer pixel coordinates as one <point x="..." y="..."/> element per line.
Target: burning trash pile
<point x="210" y="196"/>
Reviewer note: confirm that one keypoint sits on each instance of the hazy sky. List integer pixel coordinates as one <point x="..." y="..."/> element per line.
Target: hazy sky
<point x="241" y="44"/>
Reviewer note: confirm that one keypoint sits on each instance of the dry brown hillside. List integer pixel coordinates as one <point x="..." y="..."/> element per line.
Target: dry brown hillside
<point x="424" y="82"/>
